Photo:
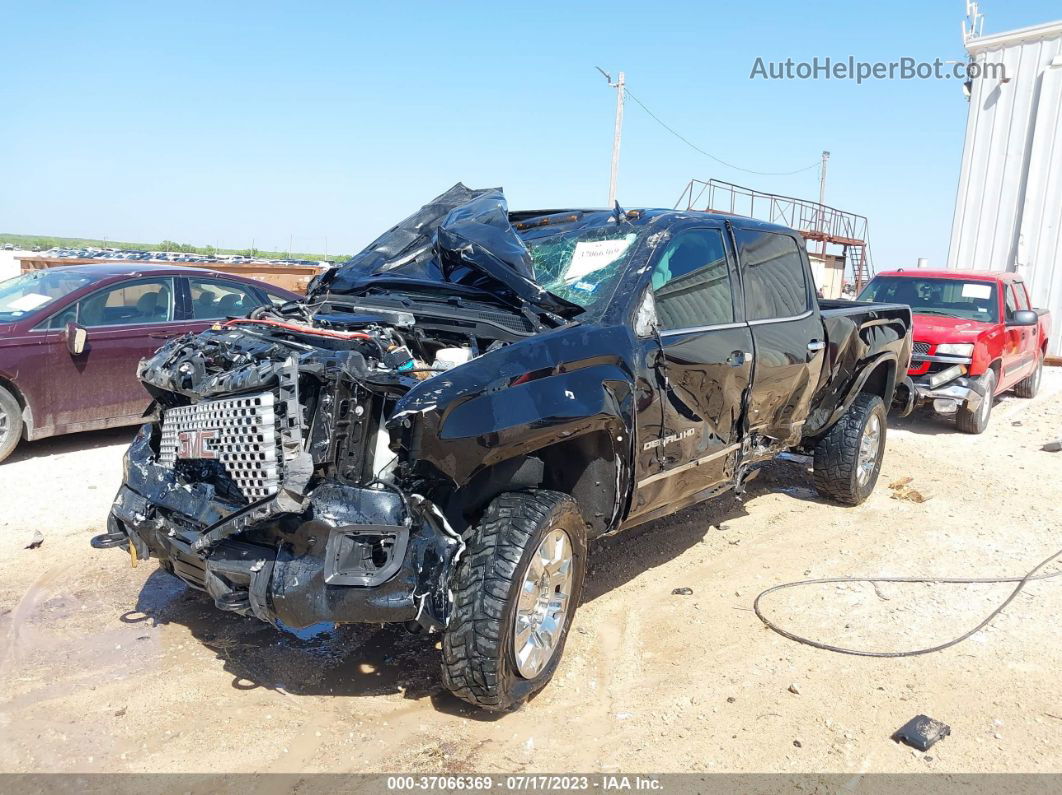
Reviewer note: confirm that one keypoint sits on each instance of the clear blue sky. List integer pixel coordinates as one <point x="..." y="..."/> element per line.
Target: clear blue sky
<point x="226" y="121"/>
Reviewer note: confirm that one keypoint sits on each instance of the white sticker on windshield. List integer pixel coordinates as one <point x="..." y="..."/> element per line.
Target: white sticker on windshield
<point x="593" y="255"/>
<point x="29" y="301"/>
<point x="976" y="290"/>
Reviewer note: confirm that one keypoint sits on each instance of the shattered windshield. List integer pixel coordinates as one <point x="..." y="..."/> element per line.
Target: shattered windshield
<point x="582" y="266"/>
<point x="34" y="291"/>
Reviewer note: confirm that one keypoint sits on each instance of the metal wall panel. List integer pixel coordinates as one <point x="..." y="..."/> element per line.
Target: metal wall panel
<point x="1009" y="199"/>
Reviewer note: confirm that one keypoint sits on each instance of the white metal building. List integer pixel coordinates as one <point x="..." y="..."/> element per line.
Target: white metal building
<point x="1008" y="211"/>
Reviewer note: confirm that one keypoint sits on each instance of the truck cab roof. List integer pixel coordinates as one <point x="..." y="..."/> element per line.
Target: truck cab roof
<point x="921" y="273"/>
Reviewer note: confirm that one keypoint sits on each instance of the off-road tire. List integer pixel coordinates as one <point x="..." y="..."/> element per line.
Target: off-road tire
<point x="1030" y="385"/>
<point x="837" y="453"/>
<point x="10" y="423"/>
<point x="478" y="662"/>
<point x="975" y="422"/>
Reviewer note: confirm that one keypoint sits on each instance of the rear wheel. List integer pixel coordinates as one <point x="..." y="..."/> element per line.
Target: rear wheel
<point x="976" y="421"/>
<point x="1030" y="385"/>
<point x="848" y="457"/>
<point x="10" y="423"/>
<point x="517" y="587"/>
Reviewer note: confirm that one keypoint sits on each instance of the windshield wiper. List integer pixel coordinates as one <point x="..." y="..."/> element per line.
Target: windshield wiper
<point x="928" y="311"/>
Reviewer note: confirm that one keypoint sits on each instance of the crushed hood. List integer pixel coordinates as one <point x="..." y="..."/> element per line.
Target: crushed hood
<point x="462" y="237"/>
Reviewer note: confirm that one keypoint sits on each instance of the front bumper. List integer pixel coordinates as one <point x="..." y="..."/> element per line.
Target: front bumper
<point x="967" y="391"/>
<point x="350" y="555"/>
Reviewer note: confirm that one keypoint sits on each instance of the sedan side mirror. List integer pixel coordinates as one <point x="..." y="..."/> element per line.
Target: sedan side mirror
<point x="1024" y="317"/>
<point x="76" y="336"/>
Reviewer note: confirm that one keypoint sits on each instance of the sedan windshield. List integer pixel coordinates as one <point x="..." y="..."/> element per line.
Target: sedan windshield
<point x="582" y="266"/>
<point x="967" y="300"/>
<point x="35" y="291"/>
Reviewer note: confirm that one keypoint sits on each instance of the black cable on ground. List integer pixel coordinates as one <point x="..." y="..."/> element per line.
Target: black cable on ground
<point x="1021" y="583"/>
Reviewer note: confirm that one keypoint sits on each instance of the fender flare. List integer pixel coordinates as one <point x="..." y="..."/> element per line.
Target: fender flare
<point x="884" y="359"/>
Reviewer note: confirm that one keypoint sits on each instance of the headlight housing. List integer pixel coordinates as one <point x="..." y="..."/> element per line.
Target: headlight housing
<point x="945" y="376"/>
<point x="955" y="349"/>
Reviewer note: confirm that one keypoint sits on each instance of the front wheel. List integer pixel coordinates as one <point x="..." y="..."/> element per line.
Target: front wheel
<point x="10" y="423"/>
<point x="516" y="590"/>
<point x="976" y="421"/>
<point x="848" y="457"/>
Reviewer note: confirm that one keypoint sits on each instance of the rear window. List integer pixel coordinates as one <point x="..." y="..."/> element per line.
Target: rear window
<point x="775" y="278"/>
<point x="958" y="298"/>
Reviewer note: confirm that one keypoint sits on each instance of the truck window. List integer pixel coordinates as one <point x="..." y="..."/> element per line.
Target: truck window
<point x="775" y="279"/>
<point x="1021" y="296"/>
<point x="969" y="300"/>
<point x="691" y="284"/>
<point x="1012" y="303"/>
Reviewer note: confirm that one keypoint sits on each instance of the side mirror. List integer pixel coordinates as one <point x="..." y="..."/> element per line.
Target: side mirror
<point x="1024" y="317"/>
<point x="76" y="336"/>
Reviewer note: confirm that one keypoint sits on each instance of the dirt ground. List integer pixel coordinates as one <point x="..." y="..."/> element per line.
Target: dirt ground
<point x="105" y="668"/>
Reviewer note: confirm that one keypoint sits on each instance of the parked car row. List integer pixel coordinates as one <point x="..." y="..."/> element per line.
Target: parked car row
<point x="976" y="336"/>
<point x="71" y="338"/>
<point x="112" y="254"/>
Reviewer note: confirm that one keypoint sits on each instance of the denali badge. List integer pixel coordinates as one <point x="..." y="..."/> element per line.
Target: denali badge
<point x="196" y="444"/>
<point x="674" y="437"/>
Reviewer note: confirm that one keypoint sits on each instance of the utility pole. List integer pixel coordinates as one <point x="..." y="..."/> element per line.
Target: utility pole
<point x="616" y="135"/>
<point x="822" y="199"/>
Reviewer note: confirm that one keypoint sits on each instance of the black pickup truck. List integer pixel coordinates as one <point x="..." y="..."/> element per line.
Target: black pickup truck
<point x="434" y="435"/>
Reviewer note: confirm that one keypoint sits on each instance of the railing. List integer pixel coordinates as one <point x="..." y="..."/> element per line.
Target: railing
<point x="813" y="220"/>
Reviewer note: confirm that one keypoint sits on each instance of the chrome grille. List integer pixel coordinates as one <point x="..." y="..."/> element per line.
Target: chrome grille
<point x="244" y="439"/>
<point x="921" y="348"/>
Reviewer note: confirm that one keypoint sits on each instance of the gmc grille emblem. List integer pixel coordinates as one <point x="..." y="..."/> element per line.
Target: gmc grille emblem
<point x="196" y="444"/>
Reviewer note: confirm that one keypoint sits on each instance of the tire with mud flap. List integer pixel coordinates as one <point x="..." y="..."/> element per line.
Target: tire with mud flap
<point x="10" y="423"/>
<point x="976" y="421"/>
<point x="848" y="457"/>
<point x="516" y="589"/>
<point x="1030" y="385"/>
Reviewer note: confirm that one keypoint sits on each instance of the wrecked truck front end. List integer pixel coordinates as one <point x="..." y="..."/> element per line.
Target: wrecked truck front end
<point x="268" y="483"/>
<point x="318" y="462"/>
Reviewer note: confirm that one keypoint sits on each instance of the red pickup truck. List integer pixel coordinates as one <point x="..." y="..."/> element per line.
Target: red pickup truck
<point x="976" y="335"/>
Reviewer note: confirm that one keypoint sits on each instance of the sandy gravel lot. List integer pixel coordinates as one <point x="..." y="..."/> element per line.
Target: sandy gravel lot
<point x="108" y="668"/>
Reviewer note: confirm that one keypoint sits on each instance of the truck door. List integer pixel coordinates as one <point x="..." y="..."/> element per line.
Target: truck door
<point x="1021" y="346"/>
<point x="698" y="370"/>
<point x="1013" y="364"/>
<point x="787" y="333"/>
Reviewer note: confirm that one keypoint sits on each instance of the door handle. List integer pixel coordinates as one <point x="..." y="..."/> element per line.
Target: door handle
<point x="816" y="345"/>
<point x="738" y="358"/>
<point x="162" y="336"/>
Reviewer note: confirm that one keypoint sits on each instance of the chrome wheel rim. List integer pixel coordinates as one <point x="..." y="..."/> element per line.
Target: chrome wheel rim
<point x="986" y="402"/>
<point x="542" y="609"/>
<point x="868" y="450"/>
<point x="4" y="425"/>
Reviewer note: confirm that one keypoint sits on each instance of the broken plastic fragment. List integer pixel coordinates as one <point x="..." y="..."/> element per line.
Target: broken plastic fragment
<point x="921" y="732"/>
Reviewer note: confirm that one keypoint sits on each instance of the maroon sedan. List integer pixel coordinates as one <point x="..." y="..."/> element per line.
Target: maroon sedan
<point x="71" y="338"/>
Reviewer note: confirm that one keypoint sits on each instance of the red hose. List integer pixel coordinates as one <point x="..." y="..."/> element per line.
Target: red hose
<point x="320" y="332"/>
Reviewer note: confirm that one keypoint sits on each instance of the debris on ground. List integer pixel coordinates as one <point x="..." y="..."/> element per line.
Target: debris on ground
<point x="38" y="539"/>
<point x="794" y="689"/>
<point x="1053" y="447"/>
<point x="921" y="732"/>
<point x="901" y="490"/>
<point x="682" y="592"/>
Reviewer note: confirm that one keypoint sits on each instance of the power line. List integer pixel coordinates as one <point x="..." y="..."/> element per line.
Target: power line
<point x="709" y="154"/>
